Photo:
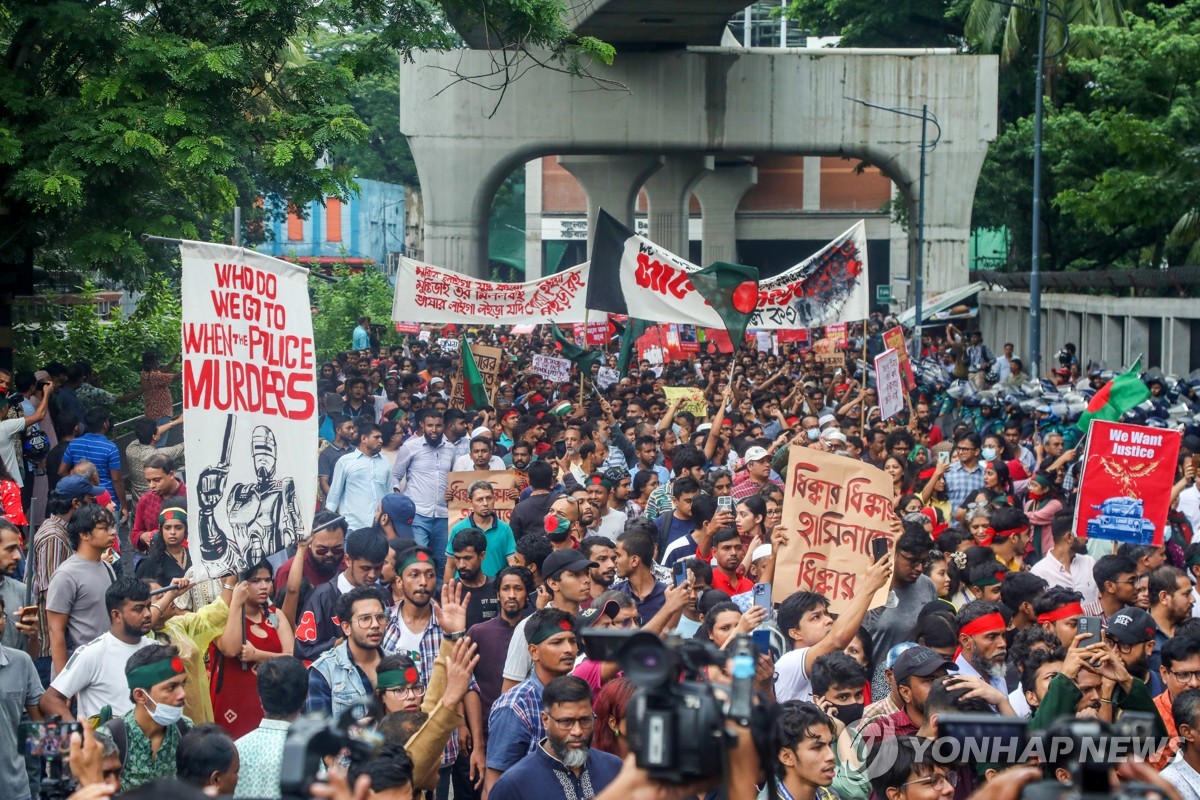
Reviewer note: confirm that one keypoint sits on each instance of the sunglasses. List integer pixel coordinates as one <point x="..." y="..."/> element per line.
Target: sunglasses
<point x="325" y="551"/>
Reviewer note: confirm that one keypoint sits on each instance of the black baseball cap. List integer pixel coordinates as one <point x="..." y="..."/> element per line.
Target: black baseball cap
<point x="565" y="560"/>
<point x="1132" y="625"/>
<point x="922" y="662"/>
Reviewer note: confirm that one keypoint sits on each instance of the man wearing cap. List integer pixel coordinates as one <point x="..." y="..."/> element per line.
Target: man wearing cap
<point x="501" y="545"/>
<point x="152" y="731"/>
<point x="515" y="724"/>
<point x="984" y="651"/>
<point x="914" y="671"/>
<point x="566" y="576"/>
<point x="1131" y="634"/>
<point x="618" y="497"/>
<point x="755" y="474"/>
<point x="1067" y="564"/>
<point x="395" y="516"/>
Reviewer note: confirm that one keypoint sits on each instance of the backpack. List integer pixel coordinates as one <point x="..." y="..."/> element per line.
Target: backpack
<point x="35" y="444"/>
<point x="116" y="726"/>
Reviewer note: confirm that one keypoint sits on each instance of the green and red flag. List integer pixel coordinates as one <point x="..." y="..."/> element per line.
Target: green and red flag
<point x="474" y="395"/>
<point x="582" y="357"/>
<point x="1116" y="397"/>
<point x="732" y="291"/>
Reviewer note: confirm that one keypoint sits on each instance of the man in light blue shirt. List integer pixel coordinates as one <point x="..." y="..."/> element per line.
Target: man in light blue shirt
<point x="361" y="340"/>
<point x="283" y="689"/>
<point x="422" y="470"/>
<point x="360" y="479"/>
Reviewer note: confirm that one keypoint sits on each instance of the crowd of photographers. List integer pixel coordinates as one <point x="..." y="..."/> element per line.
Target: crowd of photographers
<point x="483" y="650"/>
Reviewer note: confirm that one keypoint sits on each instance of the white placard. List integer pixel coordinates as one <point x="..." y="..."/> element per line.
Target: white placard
<point x="890" y="383"/>
<point x="552" y="368"/>
<point x="606" y="377"/>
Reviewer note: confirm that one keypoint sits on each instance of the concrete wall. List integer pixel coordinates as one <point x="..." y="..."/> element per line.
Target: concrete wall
<point x="466" y="136"/>
<point x="1111" y="330"/>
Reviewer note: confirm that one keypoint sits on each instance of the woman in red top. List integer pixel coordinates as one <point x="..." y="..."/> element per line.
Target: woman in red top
<point x="255" y="632"/>
<point x="10" y="498"/>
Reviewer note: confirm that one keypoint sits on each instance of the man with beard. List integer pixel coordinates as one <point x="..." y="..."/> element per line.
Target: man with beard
<point x="891" y="626"/>
<point x="513" y="587"/>
<point x="566" y="576"/>
<point x="515" y="724"/>
<point x="423" y="467"/>
<point x="346" y="674"/>
<point x="601" y="552"/>
<point x="498" y="536"/>
<point x="344" y="431"/>
<point x="318" y="627"/>
<point x="1131" y="634"/>
<point x="1170" y="604"/>
<point x="563" y="765"/>
<point x="470" y="548"/>
<point x="1089" y="677"/>
<point x="915" y="671"/>
<point x="518" y="460"/>
<point x="600" y="491"/>
<point x="12" y="591"/>
<point x="321" y="559"/>
<point x="1067" y="564"/>
<point x="414" y="629"/>
<point x="622" y="483"/>
<point x="981" y="629"/>
<point x="95" y="674"/>
<point x="360" y="479"/>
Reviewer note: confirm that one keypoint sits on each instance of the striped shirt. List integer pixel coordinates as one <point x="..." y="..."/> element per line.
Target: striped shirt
<point x="50" y="548"/>
<point x="96" y="448"/>
<point x="515" y="724"/>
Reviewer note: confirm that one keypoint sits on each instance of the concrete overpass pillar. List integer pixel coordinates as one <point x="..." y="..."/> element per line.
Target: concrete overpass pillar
<point x="670" y="192"/>
<point x="719" y="195"/>
<point x="611" y="183"/>
<point x="947" y="216"/>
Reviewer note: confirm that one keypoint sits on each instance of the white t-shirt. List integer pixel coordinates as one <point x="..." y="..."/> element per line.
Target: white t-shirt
<point x="95" y="673"/>
<point x="518" y="662"/>
<point x="791" y="679"/>
<point x="8" y="451"/>
<point x="612" y="525"/>
<point x="409" y="642"/>
<point x="465" y="464"/>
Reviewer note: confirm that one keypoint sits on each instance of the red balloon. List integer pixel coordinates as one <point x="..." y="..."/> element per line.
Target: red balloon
<point x="745" y="297"/>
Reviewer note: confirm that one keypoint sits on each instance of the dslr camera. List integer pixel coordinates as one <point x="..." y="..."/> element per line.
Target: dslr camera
<point x="315" y="742"/>
<point x="676" y="722"/>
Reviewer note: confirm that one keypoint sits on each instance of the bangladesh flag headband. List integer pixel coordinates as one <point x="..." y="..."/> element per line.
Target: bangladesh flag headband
<point x="397" y="677"/>
<point x="179" y="514"/>
<point x="548" y="629"/>
<point x="148" y="675"/>
<point x="414" y="557"/>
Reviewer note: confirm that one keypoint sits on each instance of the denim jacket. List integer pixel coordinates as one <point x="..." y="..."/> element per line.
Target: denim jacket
<point x="335" y="682"/>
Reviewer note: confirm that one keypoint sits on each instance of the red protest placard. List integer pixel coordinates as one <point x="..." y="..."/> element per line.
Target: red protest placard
<point x="407" y="327"/>
<point x="1125" y="488"/>
<point x="792" y="335"/>
<point x="598" y="333"/>
<point x="837" y="332"/>
<point x="893" y="339"/>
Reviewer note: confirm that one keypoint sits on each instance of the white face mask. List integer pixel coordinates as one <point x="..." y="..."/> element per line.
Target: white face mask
<point x="989" y="454"/>
<point x="164" y="714"/>
<point x="813" y="434"/>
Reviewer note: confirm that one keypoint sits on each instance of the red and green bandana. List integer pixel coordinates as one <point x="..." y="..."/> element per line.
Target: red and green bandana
<point x="597" y="479"/>
<point x="150" y="675"/>
<point x="416" y="556"/>
<point x="548" y="629"/>
<point x="556" y="523"/>
<point x="167" y="514"/>
<point x="397" y="677"/>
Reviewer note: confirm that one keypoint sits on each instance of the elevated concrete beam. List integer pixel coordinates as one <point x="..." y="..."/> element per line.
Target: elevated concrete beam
<point x="611" y="183"/>
<point x="715" y="101"/>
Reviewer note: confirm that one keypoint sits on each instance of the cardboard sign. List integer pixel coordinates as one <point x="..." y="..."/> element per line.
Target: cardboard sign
<point x="693" y="399"/>
<point x="832" y="508"/>
<point x="251" y="398"/>
<point x="606" y="377"/>
<point x="503" y="481"/>
<point x="1125" y="488"/>
<point x="889" y="384"/>
<point x="552" y="368"/>
<point x="894" y="338"/>
<point x="488" y="359"/>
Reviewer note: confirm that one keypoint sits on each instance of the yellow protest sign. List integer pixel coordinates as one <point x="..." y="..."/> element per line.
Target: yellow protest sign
<point x="693" y="399"/>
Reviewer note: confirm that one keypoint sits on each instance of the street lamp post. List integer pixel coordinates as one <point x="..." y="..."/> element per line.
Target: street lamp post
<point x="919" y="281"/>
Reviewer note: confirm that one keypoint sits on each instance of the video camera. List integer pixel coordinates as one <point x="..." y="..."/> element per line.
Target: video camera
<point x="1087" y="749"/>
<point x="675" y="722"/>
<point x="315" y="741"/>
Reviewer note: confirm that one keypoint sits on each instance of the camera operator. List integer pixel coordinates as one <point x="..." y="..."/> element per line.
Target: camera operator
<point x="564" y="758"/>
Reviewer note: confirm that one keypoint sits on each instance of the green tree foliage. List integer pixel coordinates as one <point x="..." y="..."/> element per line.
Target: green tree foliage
<point x="129" y="117"/>
<point x="1121" y="155"/>
<point x="341" y="303"/>
<point x="868" y="23"/>
<point x="114" y="346"/>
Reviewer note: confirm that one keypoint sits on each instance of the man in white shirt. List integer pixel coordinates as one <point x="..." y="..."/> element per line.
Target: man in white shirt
<point x="9" y="428"/>
<point x="95" y="673"/>
<point x="481" y="454"/>
<point x="1067" y="563"/>
<point x="1189" y="505"/>
<point x="984" y="651"/>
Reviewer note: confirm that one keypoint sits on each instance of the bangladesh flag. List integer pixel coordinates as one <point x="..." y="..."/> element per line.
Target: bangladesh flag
<point x="633" y="331"/>
<point x="1116" y="397"/>
<point x="582" y="357"/>
<point x="732" y="291"/>
<point x="474" y="395"/>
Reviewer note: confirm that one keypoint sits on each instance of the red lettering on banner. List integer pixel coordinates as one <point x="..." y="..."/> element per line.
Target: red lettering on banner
<point x="235" y="386"/>
<point x="247" y="279"/>
<point x="660" y="278"/>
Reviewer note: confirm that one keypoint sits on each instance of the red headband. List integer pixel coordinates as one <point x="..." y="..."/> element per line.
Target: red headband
<point x="1062" y="612"/>
<point x="992" y="533"/>
<point x="985" y="624"/>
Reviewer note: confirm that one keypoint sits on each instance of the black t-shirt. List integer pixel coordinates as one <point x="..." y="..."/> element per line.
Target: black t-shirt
<point x="328" y="458"/>
<point x="53" y="460"/>
<point x="529" y="515"/>
<point x="482" y="604"/>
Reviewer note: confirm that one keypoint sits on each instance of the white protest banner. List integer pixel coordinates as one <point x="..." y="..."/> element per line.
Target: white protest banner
<point x="552" y="368"/>
<point x="606" y="377"/>
<point x="832" y="508"/>
<point x="425" y="293"/>
<point x="423" y="336"/>
<point x="249" y="392"/>
<point x="449" y="346"/>
<point x="829" y="286"/>
<point x="890" y="383"/>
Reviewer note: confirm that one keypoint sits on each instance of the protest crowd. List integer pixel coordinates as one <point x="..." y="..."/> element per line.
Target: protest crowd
<point x="463" y="548"/>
